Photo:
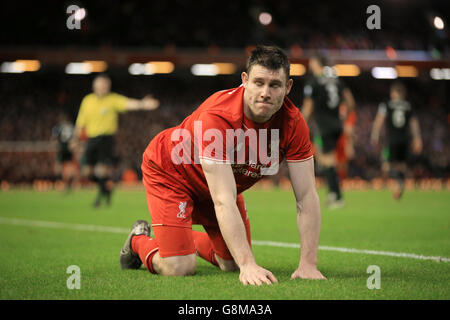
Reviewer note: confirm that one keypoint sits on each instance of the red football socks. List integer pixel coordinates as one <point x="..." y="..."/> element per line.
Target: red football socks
<point x="146" y="248"/>
<point x="204" y="246"/>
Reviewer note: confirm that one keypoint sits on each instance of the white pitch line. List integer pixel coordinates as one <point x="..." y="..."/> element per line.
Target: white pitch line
<point x="61" y="225"/>
<point x="87" y="227"/>
<point x="351" y="250"/>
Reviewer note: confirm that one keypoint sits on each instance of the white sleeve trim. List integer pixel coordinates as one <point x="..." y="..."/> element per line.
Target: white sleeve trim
<point x="287" y="160"/>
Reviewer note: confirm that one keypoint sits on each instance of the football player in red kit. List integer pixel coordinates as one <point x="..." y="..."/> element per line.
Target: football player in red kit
<point x="195" y="173"/>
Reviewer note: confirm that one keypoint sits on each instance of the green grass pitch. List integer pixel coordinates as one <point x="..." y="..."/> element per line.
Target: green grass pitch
<point x="34" y="258"/>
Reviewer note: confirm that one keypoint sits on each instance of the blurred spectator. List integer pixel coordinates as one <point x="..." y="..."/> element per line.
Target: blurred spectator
<point x="201" y="23"/>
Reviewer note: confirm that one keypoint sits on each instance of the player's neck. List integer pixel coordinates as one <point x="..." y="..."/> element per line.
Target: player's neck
<point x="100" y="96"/>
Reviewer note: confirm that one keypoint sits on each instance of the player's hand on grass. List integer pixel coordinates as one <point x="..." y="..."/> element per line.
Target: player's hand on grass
<point x="255" y="275"/>
<point x="307" y="272"/>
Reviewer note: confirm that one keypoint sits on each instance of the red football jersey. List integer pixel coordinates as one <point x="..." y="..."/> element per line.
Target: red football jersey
<point x="218" y="130"/>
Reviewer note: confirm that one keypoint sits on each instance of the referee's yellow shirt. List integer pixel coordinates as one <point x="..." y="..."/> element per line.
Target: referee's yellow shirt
<point x="100" y="116"/>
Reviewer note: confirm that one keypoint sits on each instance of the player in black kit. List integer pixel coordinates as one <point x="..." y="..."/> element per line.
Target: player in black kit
<point x="402" y="128"/>
<point x="323" y="94"/>
<point x="64" y="166"/>
<point x="402" y="131"/>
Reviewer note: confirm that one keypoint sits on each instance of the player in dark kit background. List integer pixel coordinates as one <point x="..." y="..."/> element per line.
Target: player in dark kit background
<point x="64" y="166"/>
<point x="323" y="94"/>
<point x="402" y="128"/>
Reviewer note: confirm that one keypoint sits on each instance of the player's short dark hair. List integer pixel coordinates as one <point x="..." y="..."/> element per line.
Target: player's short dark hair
<point x="321" y="59"/>
<point x="270" y="57"/>
<point x="399" y="87"/>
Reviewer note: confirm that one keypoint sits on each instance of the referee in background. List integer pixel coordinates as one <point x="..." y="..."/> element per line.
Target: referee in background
<point x="98" y="118"/>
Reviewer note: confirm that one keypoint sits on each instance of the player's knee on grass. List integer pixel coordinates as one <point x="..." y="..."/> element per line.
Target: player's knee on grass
<point x="177" y="265"/>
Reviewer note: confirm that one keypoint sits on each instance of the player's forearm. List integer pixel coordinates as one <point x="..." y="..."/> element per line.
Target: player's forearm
<point x="415" y="128"/>
<point x="134" y="104"/>
<point x="147" y="103"/>
<point x="233" y="232"/>
<point x="376" y="129"/>
<point x="308" y="223"/>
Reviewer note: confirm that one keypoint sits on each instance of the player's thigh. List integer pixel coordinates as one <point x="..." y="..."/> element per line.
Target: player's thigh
<point x="171" y="216"/>
<point x="170" y="213"/>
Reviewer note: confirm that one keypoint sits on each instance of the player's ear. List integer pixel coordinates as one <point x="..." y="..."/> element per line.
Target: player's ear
<point x="289" y="84"/>
<point x="244" y="78"/>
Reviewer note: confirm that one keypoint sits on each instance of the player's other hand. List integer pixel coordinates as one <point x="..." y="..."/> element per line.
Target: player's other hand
<point x="150" y="103"/>
<point x="307" y="272"/>
<point x="255" y="275"/>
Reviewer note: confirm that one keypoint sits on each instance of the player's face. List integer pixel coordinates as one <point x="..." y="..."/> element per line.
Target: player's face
<point x="395" y="95"/>
<point x="101" y="86"/>
<point x="264" y="93"/>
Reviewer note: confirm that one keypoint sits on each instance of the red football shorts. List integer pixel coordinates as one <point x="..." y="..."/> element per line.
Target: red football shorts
<point x="173" y="212"/>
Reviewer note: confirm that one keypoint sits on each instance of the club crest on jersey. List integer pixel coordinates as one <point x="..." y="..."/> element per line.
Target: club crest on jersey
<point x="182" y="207"/>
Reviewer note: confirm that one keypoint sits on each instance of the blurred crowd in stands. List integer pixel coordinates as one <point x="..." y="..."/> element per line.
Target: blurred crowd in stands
<point x="31" y="104"/>
<point x="205" y="23"/>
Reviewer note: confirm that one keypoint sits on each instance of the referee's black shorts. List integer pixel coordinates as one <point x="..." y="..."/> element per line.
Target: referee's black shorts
<point x="100" y="150"/>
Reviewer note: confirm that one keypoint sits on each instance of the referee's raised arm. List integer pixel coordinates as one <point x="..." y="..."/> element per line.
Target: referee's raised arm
<point x="147" y="103"/>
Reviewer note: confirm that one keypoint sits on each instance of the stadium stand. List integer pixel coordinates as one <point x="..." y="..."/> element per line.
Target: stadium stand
<point x="31" y="102"/>
<point x="30" y="117"/>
